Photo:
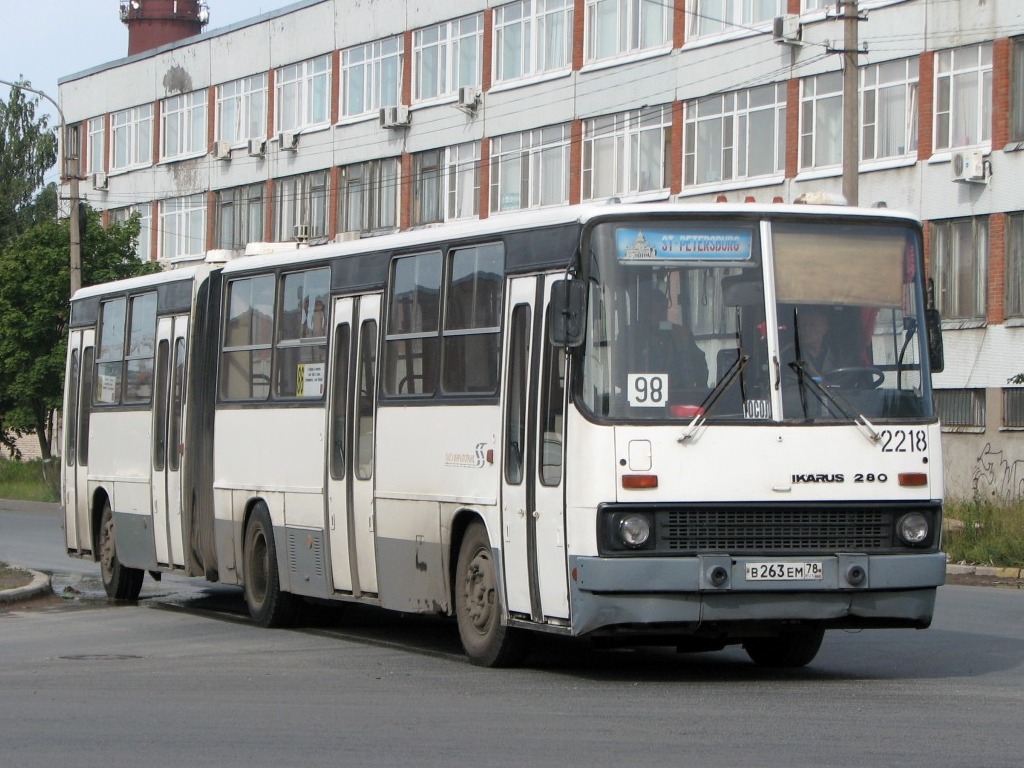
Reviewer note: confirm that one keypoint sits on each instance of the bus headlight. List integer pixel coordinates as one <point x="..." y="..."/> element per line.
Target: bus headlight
<point x="634" y="530"/>
<point x="913" y="529"/>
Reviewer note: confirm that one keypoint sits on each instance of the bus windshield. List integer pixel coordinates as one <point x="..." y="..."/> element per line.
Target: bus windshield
<point x="684" y="322"/>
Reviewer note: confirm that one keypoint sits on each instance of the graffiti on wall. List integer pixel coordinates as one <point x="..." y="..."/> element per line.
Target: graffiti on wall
<point x="997" y="476"/>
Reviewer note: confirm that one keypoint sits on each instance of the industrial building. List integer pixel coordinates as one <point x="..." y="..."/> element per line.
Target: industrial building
<point x="340" y="119"/>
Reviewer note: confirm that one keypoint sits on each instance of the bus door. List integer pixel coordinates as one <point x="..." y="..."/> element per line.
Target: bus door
<point x="168" y="439"/>
<point x="350" y="509"/>
<point x="76" y="440"/>
<point x="533" y="519"/>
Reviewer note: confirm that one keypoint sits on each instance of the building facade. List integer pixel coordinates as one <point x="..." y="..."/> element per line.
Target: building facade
<point x="348" y="118"/>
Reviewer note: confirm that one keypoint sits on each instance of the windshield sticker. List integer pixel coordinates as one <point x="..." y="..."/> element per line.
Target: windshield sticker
<point x="654" y="245"/>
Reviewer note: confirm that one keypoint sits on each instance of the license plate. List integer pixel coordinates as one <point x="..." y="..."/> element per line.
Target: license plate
<point x="806" y="571"/>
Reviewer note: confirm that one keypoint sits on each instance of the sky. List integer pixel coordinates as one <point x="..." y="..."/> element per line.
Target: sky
<point x="41" y="41"/>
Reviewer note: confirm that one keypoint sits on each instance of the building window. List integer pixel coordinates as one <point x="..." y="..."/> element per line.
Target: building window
<point x="817" y="5"/>
<point x="620" y="27"/>
<point x="144" y="214"/>
<point x="183" y="125"/>
<point x="627" y="153"/>
<point x="960" y="267"/>
<point x="1015" y="265"/>
<point x="735" y="136"/>
<point x="371" y="76"/>
<point x="446" y="183"/>
<point x="1013" y="408"/>
<point x="131" y="137"/>
<point x="368" y="195"/>
<point x="183" y="227"/>
<point x="242" y="109"/>
<point x="239" y="216"/>
<point x="1017" y="91"/>
<point x="300" y="207"/>
<point x="96" y="140"/>
<point x="963" y="97"/>
<point x="888" y="94"/>
<point x="532" y="37"/>
<point x="721" y="17"/>
<point x="821" y="121"/>
<point x="530" y="169"/>
<point x="961" y="410"/>
<point x="446" y="57"/>
<point x="303" y="94"/>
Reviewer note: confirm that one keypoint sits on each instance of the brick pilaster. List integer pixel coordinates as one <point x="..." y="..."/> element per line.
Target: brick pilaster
<point x="487" y="52"/>
<point x="679" y="24"/>
<point x="211" y="219"/>
<point x="405" y="196"/>
<point x="578" y="33"/>
<point x="926" y="104"/>
<point x="332" y="201"/>
<point x="996" y="268"/>
<point x="576" y="162"/>
<point x="268" y="211"/>
<point x="407" y="68"/>
<point x="1001" y="107"/>
<point x="675" y="158"/>
<point x="792" y="128"/>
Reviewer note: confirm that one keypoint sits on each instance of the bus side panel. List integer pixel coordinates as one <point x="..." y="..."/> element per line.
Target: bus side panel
<point x="429" y="459"/>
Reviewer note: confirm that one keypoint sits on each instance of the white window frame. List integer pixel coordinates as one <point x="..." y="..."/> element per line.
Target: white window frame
<point x="446" y="57"/>
<point x="144" y="245"/>
<point x="718" y="18"/>
<point x="729" y="119"/>
<point x="183" y="228"/>
<point x="131" y="130"/>
<point x="821" y="121"/>
<point x="1014" y="291"/>
<point x="96" y="141"/>
<point x="246" y="206"/>
<point x="531" y="38"/>
<point x="613" y="150"/>
<point x="888" y="110"/>
<point x="371" y="77"/>
<point x="302" y="94"/>
<point x="960" y="268"/>
<point x="625" y="21"/>
<point x="963" y="118"/>
<point x="527" y="167"/>
<point x="1017" y="89"/>
<point x="302" y="199"/>
<point x="242" y="109"/>
<point x="368" y="191"/>
<point x="183" y="125"/>
<point x="453" y="187"/>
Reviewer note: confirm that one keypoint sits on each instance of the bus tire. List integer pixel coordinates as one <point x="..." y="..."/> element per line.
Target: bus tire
<point x="788" y="650"/>
<point x="268" y="605"/>
<point x="119" y="581"/>
<point x="478" y="608"/>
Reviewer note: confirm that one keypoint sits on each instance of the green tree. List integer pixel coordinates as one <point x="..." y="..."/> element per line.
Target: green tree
<point x="28" y="149"/>
<point x="34" y="306"/>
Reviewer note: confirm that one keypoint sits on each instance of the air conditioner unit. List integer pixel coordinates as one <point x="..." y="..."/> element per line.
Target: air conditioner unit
<point x="99" y="180"/>
<point x="288" y="141"/>
<point x="257" y="147"/>
<point x="300" y="233"/>
<point x="394" y="117"/>
<point x="222" y="150"/>
<point x="344" y="237"/>
<point x="786" y="29"/>
<point x="469" y="98"/>
<point x="968" y="165"/>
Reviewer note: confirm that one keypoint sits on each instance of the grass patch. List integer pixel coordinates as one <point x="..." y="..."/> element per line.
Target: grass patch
<point x="984" y="533"/>
<point x="29" y="480"/>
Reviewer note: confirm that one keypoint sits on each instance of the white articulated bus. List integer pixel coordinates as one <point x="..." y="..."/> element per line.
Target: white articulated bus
<point x="690" y="426"/>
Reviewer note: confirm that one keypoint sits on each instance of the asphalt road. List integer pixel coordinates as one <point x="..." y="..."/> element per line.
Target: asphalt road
<point x="182" y="678"/>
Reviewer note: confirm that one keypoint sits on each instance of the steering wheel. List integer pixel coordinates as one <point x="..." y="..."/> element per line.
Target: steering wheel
<point x="855" y="377"/>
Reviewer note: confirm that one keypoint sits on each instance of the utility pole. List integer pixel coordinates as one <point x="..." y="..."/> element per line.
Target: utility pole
<point x="69" y="172"/>
<point x="847" y="11"/>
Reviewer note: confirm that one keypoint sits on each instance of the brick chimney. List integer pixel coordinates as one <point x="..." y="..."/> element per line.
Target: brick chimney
<point x="152" y="23"/>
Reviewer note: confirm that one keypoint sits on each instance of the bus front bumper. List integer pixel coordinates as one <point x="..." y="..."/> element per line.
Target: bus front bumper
<point x="718" y="594"/>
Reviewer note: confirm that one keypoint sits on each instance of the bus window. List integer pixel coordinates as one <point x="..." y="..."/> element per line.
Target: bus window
<point x="552" y="412"/>
<point x="71" y="417"/>
<point x="248" y="332"/>
<point x="85" y="407"/>
<point x="160" y="408"/>
<point x="177" y="405"/>
<point x="301" y="350"/>
<point x="410" y="359"/>
<point x="339" y="402"/>
<point x="518" y="392"/>
<point x="472" y="320"/>
<point x="111" y="354"/>
<point x="138" y="359"/>
<point x="364" y="406"/>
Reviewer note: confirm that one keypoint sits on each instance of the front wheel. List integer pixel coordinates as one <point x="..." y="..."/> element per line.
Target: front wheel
<point x="119" y="581"/>
<point x="268" y="605"/>
<point x="787" y="650"/>
<point x="487" y="641"/>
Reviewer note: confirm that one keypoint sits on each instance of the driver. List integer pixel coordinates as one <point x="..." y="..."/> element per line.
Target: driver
<point x="811" y="328"/>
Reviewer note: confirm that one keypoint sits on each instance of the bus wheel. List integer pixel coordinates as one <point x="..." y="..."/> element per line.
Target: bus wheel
<point x="268" y="605"/>
<point x="119" y="581"/>
<point x="790" y="649"/>
<point x="488" y="642"/>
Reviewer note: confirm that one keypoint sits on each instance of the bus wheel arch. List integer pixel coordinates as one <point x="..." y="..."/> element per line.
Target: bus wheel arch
<point x="268" y="604"/>
<point x="477" y="597"/>
<point x="119" y="581"/>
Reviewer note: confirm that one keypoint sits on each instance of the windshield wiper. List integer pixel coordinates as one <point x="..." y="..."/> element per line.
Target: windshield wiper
<point x="713" y="396"/>
<point x="810" y="377"/>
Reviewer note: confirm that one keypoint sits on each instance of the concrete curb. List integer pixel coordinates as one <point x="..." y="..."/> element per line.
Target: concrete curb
<point x="39" y="587"/>
<point x="985" y="570"/>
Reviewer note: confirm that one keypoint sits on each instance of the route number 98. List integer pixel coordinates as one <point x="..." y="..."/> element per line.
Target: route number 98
<point x="647" y="390"/>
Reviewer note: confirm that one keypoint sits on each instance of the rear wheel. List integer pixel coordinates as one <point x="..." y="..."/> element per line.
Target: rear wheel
<point x="488" y="642"/>
<point x="268" y="605"/>
<point x="119" y="581"/>
<point x="787" y="650"/>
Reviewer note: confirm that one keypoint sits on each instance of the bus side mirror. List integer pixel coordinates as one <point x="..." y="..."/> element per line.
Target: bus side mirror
<point x="565" y="313"/>
<point x="933" y="325"/>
